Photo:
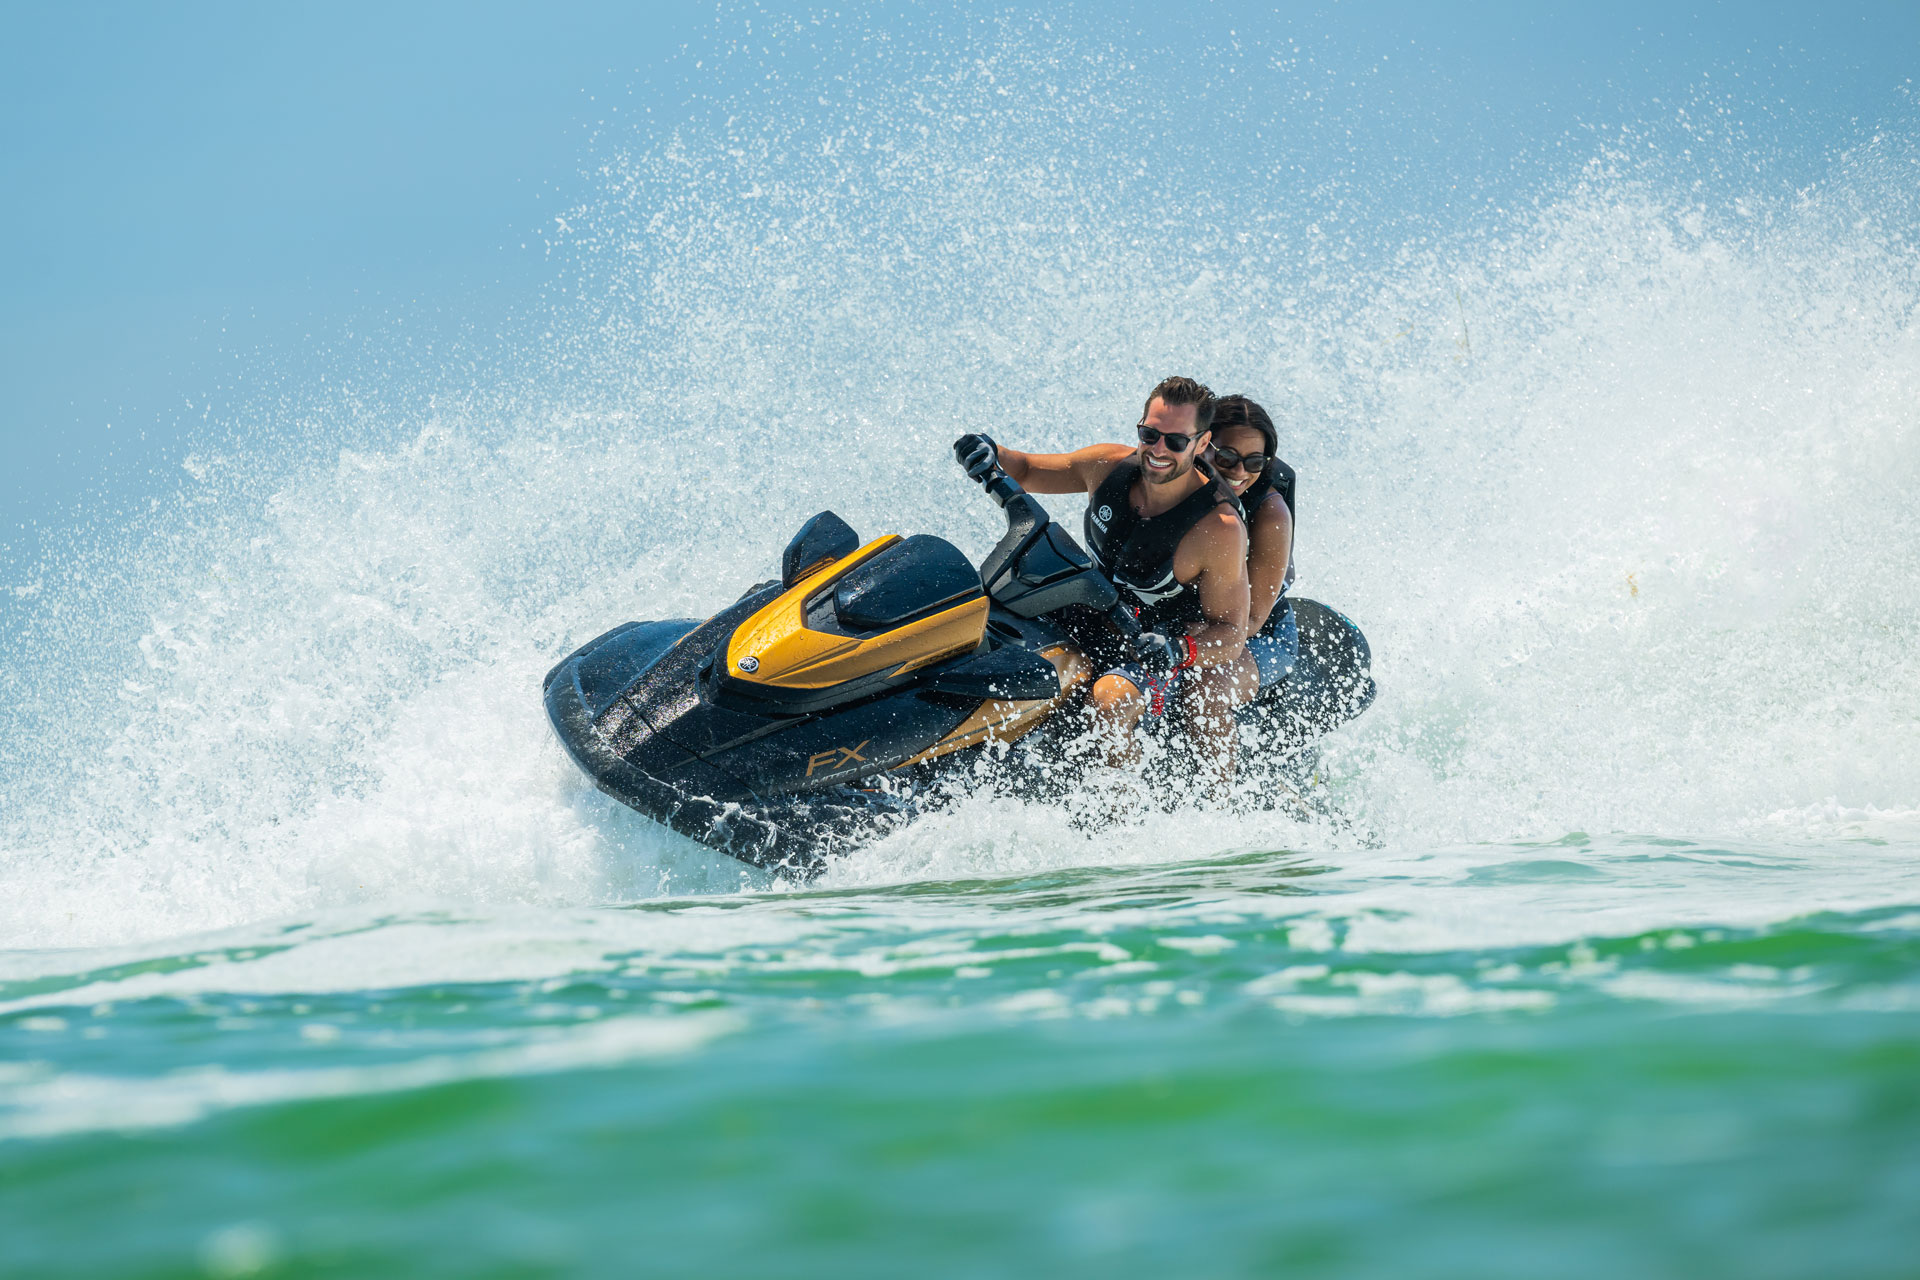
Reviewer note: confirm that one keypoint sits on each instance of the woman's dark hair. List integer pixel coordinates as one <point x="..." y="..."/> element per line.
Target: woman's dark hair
<point x="1238" y="411"/>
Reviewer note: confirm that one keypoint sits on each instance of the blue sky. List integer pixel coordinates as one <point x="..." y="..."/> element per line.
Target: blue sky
<point x="198" y="196"/>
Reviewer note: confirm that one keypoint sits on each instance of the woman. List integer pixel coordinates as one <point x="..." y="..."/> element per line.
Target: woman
<point x="1242" y="455"/>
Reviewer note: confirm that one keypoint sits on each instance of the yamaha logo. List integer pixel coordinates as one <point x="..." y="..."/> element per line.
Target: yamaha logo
<point x="1104" y="514"/>
<point x="749" y="664"/>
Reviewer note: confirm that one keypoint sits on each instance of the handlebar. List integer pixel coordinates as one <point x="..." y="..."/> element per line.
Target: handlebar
<point x="1026" y="520"/>
<point x="1001" y="487"/>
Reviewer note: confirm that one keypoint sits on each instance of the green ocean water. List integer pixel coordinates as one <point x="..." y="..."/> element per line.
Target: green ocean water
<point x="1596" y="1057"/>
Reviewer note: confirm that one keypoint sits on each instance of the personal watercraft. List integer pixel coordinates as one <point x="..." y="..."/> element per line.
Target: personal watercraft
<point x="821" y="709"/>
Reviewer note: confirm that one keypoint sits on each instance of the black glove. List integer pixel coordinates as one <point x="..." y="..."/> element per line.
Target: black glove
<point x="978" y="454"/>
<point x="1157" y="654"/>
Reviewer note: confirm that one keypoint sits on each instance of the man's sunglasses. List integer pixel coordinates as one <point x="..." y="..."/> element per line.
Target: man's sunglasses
<point x="1228" y="460"/>
<point x="1174" y="443"/>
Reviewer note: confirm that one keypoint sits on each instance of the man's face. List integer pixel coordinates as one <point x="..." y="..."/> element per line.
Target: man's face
<point x="1159" y="464"/>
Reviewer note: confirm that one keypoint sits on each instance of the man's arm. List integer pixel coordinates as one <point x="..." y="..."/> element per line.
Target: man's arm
<point x="1078" y="472"/>
<point x="1218" y="550"/>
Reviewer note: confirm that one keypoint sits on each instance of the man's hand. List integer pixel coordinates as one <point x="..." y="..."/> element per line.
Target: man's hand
<point x="978" y="454"/>
<point x="1161" y="656"/>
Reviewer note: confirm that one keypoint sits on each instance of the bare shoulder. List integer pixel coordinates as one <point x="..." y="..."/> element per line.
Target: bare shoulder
<point x="1220" y="536"/>
<point x="1096" y="462"/>
<point x="1269" y="518"/>
<point x="1272" y="510"/>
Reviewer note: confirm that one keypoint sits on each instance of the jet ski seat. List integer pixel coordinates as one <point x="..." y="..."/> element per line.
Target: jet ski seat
<point x="914" y="578"/>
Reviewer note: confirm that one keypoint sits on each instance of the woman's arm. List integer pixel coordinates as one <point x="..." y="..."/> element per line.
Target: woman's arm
<point x="1269" y="558"/>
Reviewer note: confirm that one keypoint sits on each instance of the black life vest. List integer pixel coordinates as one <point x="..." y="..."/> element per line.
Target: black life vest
<point x="1277" y="478"/>
<point x="1136" y="551"/>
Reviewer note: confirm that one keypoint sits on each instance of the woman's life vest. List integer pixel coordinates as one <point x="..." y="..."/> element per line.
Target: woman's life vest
<point x="1277" y="478"/>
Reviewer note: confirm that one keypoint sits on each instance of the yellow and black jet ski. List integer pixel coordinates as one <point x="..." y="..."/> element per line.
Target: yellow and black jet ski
<point x="809" y="716"/>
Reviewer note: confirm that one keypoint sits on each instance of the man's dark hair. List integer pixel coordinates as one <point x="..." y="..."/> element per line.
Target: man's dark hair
<point x="1177" y="391"/>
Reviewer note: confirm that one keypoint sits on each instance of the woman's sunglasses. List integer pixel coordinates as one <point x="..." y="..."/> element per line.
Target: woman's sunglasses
<point x="1174" y="443"/>
<point x="1228" y="460"/>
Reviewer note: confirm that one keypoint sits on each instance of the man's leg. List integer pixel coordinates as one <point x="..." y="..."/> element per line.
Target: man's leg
<point x="1117" y="704"/>
<point x="1208" y="699"/>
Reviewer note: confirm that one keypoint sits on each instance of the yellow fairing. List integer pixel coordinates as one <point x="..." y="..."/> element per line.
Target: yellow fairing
<point x="786" y="655"/>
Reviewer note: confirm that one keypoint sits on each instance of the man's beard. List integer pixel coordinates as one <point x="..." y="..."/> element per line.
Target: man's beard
<point x="1181" y="465"/>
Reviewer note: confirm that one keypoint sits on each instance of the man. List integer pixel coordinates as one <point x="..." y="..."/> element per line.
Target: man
<point x="1171" y="539"/>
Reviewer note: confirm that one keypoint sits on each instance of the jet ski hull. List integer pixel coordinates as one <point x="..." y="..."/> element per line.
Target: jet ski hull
<point x="751" y="796"/>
